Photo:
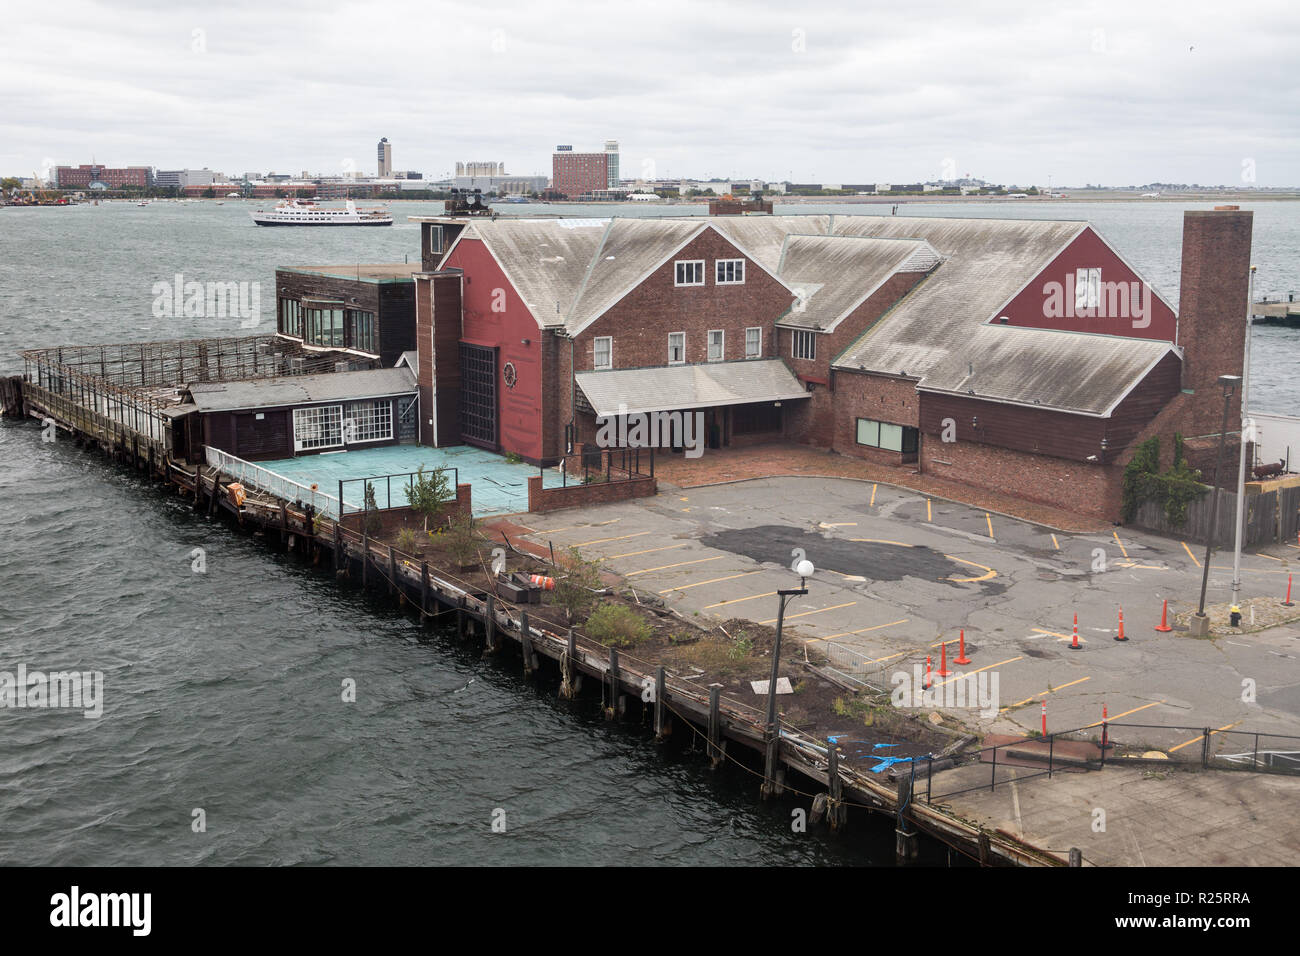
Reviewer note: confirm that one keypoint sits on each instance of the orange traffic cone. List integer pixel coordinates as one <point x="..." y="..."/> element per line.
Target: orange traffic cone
<point x="943" y="661"/>
<point x="1074" y="646"/>
<point x="961" y="659"/>
<point x="1120" y="636"/>
<point x="927" y="671"/>
<point x="1164" y="617"/>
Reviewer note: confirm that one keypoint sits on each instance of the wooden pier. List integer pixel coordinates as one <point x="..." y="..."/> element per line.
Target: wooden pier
<point x="1277" y="313"/>
<point x="626" y="684"/>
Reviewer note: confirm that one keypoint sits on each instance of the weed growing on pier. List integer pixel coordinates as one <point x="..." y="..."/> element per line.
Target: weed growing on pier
<point x="616" y="625"/>
<point x="576" y="585"/>
<point x="407" y="540"/>
<point x="462" y="538"/>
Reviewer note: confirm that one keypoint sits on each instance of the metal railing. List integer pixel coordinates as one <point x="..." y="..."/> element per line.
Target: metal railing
<point x="849" y="664"/>
<point x="255" y="476"/>
<point x="383" y="485"/>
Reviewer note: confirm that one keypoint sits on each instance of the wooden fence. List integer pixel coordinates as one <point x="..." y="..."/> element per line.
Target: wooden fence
<point x="1270" y="517"/>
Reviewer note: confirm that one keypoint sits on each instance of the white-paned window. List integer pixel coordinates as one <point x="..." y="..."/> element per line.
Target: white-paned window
<point x="754" y="342"/>
<point x="320" y="426"/>
<point x="603" y="354"/>
<point x="803" y="344"/>
<point x="676" y="348"/>
<point x="1087" y="288"/>
<point x="729" y="271"/>
<point x="689" y="272"/>
<point x="369" y="421"/>
<point x="717" y="345"/>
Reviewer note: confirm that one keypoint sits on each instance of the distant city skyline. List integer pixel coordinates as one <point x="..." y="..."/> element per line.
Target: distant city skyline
<point x="1115" y="93"/>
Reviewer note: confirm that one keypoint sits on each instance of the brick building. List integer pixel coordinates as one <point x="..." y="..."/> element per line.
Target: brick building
<point x="81" y="177"/>
<point x="1022" y="356"/>
<point x="580" y="174"/>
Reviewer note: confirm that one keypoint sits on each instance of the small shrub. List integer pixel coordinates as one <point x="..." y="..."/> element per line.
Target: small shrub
<point x="576" y="583"/>
<point x="407" y="540"/>
<point x="461" y="539"/>
<point x="741" y="648"/>
<point x="617" y="625"/>
<point x="371" y="523"/>
<point x="429" y="494"/>
<point x="513" y="458"/>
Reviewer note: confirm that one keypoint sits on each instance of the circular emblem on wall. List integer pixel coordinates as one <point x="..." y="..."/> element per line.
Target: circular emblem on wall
<point x="511" y="376"/>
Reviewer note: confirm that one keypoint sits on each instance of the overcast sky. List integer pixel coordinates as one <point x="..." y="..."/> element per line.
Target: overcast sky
<point x="1115" y="93"/>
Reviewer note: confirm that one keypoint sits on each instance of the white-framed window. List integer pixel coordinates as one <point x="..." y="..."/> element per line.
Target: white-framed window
<point x="369" y="421"/>
<point x="754" y="342"/>
<point x="688" y="272"/>
<point x="717" y="345"/>
<point x="729" y="271"/>
<point x="603" y="352"/>
<point x="676" y="348"/>
<point x="803" y="344"/>
<point x="320" y="426"/>
<point x="1087" y="288"/>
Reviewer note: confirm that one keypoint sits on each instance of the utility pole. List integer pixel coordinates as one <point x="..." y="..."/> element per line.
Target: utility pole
<point x="1200" y="624"/>
<point x="1245" y="425"/>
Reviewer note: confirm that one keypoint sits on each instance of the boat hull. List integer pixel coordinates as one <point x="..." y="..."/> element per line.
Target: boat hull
<point x="284" y="222"/>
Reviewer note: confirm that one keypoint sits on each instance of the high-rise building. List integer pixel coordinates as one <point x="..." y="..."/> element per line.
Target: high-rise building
<point x="579" y="174"/>
<point x="385" y="158"/>
<point x="611" y="151"/>
<point x="480" y="169"/>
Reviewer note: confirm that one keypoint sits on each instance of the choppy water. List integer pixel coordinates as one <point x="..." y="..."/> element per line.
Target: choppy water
<point x="222" y="690"/>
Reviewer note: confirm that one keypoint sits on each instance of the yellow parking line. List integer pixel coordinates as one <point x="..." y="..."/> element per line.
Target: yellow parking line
<point x="901" y="544"/>
<point x="823" y="610"/>
<point x="983" y="577"/>
<point x="1009" y="660"/>
<point x="1202" y="737"/>
<point x="840" y="524"/>
<point x="1021" y="703"/>
<point x="1125" y="714"/>
<point x="989" y="518"/>
<point x="1189" y="554"/>
<point x="700" y="584"/>
<point x="861" y="630"/>
<point x="1271" y="558"/>
<point x="621" y="537"/>
<point x="680" y="564"/>
<point x="752" y="597"/>
<point x="1055" y="544"/>
<point x="1052" y="633"/>
<point x="1122" y="549"/>
<point x="929" y="514"/>
<point x="630" y="554"/>
<point x="873" y="496"/>
<point x="1224" y="567"/>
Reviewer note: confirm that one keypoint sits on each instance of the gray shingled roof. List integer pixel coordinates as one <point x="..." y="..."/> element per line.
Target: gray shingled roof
<point x="1074" y="371"/>
<point x="689" y="386"/>
<point x="833" y="275"/>
<point x="302" y="389"/>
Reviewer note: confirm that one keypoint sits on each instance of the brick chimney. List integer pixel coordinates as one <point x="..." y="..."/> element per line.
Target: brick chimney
<point x="1212" y="310"/>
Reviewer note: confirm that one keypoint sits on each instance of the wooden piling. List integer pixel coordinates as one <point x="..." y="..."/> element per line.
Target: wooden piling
<point x="212" y="500"/>
<point x="614" y="684"/>
<point x="460" y="616"/>
<point x="526" y="643"/>
<point x="424" y="591"/>
<point x="660" y="689"/>
<point x="338" y="547"/>
<point x="905" y="836"/>
<point x="392" y="570"/>
<point x="365" y="557"/>
<point x="568" y="687"/>
<point x="490" y="624"/>
<point x="715" y="725"/>
<point x="835" y="810"/>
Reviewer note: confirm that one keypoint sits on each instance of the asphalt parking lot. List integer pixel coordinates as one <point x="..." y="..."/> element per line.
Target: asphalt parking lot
<point x="899" y="574"/>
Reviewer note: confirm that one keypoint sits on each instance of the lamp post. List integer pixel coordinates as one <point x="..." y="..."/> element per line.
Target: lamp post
<point x="804" y="568"/>
<point x="1201" y="623"/>
<point x="1239" y="528"/>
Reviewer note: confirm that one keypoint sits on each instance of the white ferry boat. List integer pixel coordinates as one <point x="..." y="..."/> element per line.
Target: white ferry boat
<point x="302" y="212"/>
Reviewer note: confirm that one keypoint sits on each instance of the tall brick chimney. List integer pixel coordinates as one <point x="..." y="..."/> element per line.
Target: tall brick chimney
<point x="1212" y="311"/>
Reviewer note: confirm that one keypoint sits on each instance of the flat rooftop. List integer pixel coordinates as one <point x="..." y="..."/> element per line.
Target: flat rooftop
<point x="378" y="272"/>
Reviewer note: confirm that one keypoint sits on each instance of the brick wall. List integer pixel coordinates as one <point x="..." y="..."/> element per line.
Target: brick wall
<point x="876" y="397"/>
<point x="1212" y="310"/>
<point x="1084" y="488"/>
<point x="541" y="500"/>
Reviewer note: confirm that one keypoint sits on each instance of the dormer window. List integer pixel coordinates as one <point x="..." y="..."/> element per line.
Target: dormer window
<point x="689" y="272"/>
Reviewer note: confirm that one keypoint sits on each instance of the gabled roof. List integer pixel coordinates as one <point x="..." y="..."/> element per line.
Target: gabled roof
<point x="833" y="275"/>
<point x="681" y="387"/>
<point x="1069" y="371"/>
